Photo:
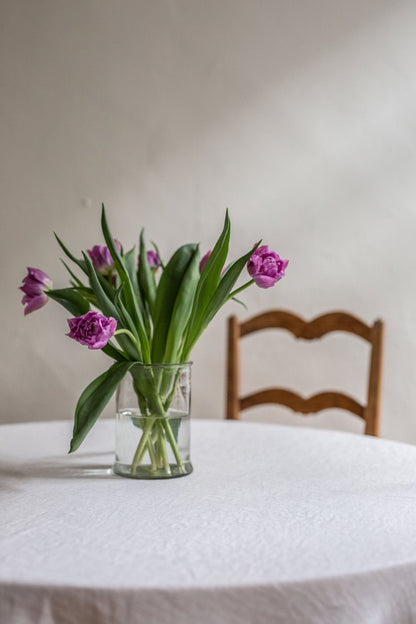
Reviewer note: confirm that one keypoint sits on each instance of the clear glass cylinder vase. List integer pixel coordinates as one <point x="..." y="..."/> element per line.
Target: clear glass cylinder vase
<point x="153" y="422"/>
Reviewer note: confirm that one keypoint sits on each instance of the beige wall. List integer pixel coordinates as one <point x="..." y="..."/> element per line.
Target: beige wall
<point x="297" y="115"/>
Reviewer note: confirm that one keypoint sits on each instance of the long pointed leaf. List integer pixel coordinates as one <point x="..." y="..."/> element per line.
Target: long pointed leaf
<point x="182" y="309"/>
<point x="146" y="277"/>
<point x="71" y="256"/>
<point x="130" y="262"/>
<point x="225" y="287"/>
<point x="128" y="324"/>
<point x="108" y="308"/>
<point x="82" y="264"/>
<point x="219" y="298"/>
<point x="114" y="353"/>
<point x="93" y="400"/>
<point x="88" y="294"/>
<point x="208" y="283"/>
<point x="71" y="300"/>
<point x="128" y="290"/>
<point x="167" y="292"/>
<point x="72" y="274"/>
<point x="106" y="304"/>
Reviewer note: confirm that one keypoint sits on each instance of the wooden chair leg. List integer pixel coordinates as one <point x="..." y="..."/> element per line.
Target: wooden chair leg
<point x="372" y="414"/>
<point x="233" y="369"/>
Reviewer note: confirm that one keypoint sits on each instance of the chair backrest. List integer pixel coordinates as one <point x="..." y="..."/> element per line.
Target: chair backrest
<point x="308" y="330"/>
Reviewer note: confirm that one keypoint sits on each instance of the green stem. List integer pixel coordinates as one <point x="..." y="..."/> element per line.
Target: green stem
<point x="156" y="428"/>
<point x="142" y="445"/>
<point x="129" y="334"/>
<point x="152" y="454"/>
<point x="150" y="446"/>
<point x="173" y="444"/>
<point x="238" y="290"/>
<point x="163" y="450"/>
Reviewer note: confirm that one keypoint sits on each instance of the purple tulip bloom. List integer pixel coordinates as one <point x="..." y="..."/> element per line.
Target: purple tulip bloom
<point x="266" y="267"/>
<point x="153" y="260"/>
<point x="92" y="329"/>
<point x="101" y="258"/>
<point x="204" y="260"/>
<point x="35" y="284"/>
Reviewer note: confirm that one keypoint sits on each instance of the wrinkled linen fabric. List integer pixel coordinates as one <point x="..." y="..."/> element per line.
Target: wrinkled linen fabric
<point x="276" y="524"/>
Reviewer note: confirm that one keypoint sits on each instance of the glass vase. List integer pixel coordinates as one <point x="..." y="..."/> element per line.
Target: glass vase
<point x="153" y="422"/>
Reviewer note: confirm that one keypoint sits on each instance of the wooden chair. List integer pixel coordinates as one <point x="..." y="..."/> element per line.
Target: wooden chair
<point x="309" y="330"/>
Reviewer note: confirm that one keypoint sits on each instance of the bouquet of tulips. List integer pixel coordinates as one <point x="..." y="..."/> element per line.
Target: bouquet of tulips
<point x="137" y="309"/>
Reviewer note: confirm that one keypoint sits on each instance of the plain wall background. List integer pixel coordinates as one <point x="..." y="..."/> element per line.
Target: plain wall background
<point x="299" y="116"/>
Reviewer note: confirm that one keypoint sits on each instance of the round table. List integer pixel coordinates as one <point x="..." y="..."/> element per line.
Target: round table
<point x="276" y="524"/>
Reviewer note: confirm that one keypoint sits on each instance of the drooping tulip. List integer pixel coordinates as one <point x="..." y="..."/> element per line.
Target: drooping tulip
<point x="35" y="285"/>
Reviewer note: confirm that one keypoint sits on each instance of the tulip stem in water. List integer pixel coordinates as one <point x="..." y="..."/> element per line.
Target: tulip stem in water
<point x="172" y="443"/>
<point x="142" y="445"/>
<point x="156" y="433"/>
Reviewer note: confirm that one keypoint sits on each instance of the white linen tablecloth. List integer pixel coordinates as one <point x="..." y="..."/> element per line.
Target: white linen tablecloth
<point x="276" y="524"/>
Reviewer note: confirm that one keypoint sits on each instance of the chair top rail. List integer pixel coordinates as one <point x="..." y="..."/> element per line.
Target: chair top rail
<point x="308" y="330"/>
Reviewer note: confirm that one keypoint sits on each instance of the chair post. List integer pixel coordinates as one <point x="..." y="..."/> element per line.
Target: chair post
<point x="372" y="413"/>
<point x="233" y="369"/>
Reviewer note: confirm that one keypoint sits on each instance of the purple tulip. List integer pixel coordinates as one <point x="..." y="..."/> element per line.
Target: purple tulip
<point x="92" y="329"/>
<point x="35" y="284"/>
<point x="101" y="258"/>
<point x="266" y="267"/>
<point x="153" y="260"/>
<point x="204" y="260"/>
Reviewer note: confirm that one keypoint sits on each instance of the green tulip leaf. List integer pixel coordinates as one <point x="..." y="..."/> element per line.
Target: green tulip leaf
<point x="239" y="302"/>
<point x="71" y="300"/>
<point x="130" y="263"/>
<point x="218" y="299"/>
<point x="208" y="283"/>
<point x="131" y="301"/>
<point x="109" y="308"/>
<point x="71" y="256"/>
<point x="114" y="353"/>
<point x="182" y="309"/>
<point x="94" y="399"/>
<point x="72" y="274"/>
<point x="146" y="277"/>
<point x="167" y="292"/>
<point x="127" y="323"/>
<point x="88" y="294"/>
<point x="225" y="287"/>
